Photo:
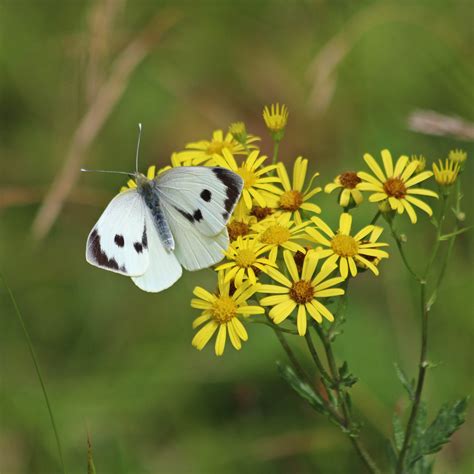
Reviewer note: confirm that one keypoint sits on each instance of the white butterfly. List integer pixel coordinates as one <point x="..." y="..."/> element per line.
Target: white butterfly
<point x="176" y="219"/>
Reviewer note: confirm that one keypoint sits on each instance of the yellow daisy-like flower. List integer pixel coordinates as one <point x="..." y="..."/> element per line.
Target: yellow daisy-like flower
<point x="458" y="156"/>
<point x="447" y="173"/>
<point x="421" y="162"/>
<point x="150" y="174"/>
<point x="396" y="184"/>
<point x="239" y="132"/>
<point x="293" y="198"/>
<point x="348" y="250"/>
<point x="221" y="311"/>
<point x="240" y="225"/>
<point x="203" y="151"/>
<point x="275" y="117"/>
<point x="349" y="183"/>
<point x="281" y="231"/>
<point x="253" y="173"/>
<point x="246" y="260"/>
<point x="302" y="291"/>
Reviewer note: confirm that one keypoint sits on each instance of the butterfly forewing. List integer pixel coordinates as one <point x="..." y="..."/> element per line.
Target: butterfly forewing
<point x="119" y="240"/>
<point x="204" y="196"/>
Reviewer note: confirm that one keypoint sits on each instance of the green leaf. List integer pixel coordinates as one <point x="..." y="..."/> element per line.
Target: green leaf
<point x="391" y="455"/>
<point x="301" y="388"/>
<point x="398" y="432"/>
<point x="90" y="460"/>
<point x="409" y="386"/>
<point x="449" y="418"/>
<point x="345" y="377"/>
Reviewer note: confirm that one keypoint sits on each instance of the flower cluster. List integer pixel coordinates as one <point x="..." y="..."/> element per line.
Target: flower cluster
<point x="285" y="264"/>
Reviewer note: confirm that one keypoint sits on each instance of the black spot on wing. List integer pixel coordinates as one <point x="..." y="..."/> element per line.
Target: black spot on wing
<point x="99" y="255"/>
<point x="197" y="215"/>
<point x="233" y="184"/>
<point x="206" y="195"/>
<point x="138" y="247"/>
<point x="119" y="240"/>
<point x="225" y="215"/>
<point x="185" y="214"/>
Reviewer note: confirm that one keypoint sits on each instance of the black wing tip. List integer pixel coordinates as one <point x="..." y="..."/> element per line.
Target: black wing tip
<point x="234" y="185"/>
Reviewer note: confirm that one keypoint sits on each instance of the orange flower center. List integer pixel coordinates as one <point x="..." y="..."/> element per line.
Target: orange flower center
<point x="302" y="292"/>
<point x="395" y="187"/>
<point x="349" y="179"/>
<point x="237" y="229"/>
<point x="224" y="309"/>
<point x="275" y="235"/>
<point x="344" y="245"/>
<point x="245" y="258"/>
<point x="291" y="200"/>
<point x="261" y="212"/>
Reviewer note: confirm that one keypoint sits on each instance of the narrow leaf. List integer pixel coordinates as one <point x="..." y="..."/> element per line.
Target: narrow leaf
<point x="449" y="418"/>
<point x="301" y="388"/>
<point x="398" y="433"/>
<point x="409" y="386"/>
<point x="452" y="234"/>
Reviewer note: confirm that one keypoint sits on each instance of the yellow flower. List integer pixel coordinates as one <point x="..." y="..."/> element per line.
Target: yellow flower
<point x="447" y="173"/>
<point x="349" y="182"/>
<point x="281" y="232"/>
<point x="240" y="225"/>
<point x="396" y="184"/>
<point x="246" y="260"/>
<point x="203" y="151"/>
<point x="239" y="132"/>
<point x="222" y="311"/>
<point x="421" y="163"/>
<point x="303" y="291"/>
<point x="346" y="248"/>
<point x="293" y="197"/>
<point x="275" y="117"/>
<point x="253" y="173"/>
<point x="150" y="174"/>
<point x="458" y="156"/>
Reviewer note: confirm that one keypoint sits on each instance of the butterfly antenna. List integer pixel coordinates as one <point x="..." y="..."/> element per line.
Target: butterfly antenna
<point x="106" y="171"/>
<point x="138" y="147"/>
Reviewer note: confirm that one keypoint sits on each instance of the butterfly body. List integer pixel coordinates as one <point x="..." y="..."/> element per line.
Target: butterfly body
<point x="177" y="219"/>
<point x="148" y="189"/>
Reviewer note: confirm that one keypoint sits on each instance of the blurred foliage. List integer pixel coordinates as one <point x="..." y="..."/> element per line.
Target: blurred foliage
<point x="118" y="362"/>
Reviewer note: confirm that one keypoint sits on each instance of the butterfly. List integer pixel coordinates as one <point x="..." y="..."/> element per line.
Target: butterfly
<point x="177" y="219"/>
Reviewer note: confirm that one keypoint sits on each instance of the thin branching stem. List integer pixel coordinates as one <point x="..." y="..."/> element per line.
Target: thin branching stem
<point x="276" y="148"/>
<point x="399" y="243"/>
<point x="289" y="352"/>
<point x="347" y="416"/>
<point x="423" y="363"/>
<point x="38" y="371"/>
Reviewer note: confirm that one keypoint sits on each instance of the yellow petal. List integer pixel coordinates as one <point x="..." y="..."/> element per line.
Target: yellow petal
<point x="323" y="310"/>
<point x="203" y="335"/>
<point x="369" y="159"/>
<point x="387" y="162"/>
<point x="410" y="211"/>
<point x="220" y="339"/>
<point x="291" y="265"/>
<point x="301" y="321"/>
<point x="345" y="223"/>
<point x="281" y="311"/>
<point x="400" y="166"/>
<point x="314" y="313"/>
<point x="419" y="203"/>
<point x="418" y="178"/>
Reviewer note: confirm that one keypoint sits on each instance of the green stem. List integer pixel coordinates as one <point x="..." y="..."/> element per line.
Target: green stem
<point x="312" y="349"/>
<point x="274" y="326"/>
<point x="289" y="352"/>
<point x="276" y="148"/>
<point x="402" y="252"/>
<point x="375" y="218"/>
<point x="423" y="365"/>
<point x="38" y="371"/>
<point x="348" y="422"/>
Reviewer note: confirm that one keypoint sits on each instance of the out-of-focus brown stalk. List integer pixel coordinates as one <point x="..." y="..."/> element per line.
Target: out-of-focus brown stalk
<point x="23" y="196"/>
<point x="101" y="25"/>
<point x="97" y="113"/>
<point x="430" y="122"/>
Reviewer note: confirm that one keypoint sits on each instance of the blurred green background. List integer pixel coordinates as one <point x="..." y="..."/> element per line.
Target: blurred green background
<point x="118" y="362"/>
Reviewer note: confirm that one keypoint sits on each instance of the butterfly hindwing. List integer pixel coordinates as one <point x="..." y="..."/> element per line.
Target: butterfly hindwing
<point x="202" y="195"/>
<point x="164" y="268"/>
<point x="119" y="241"/>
